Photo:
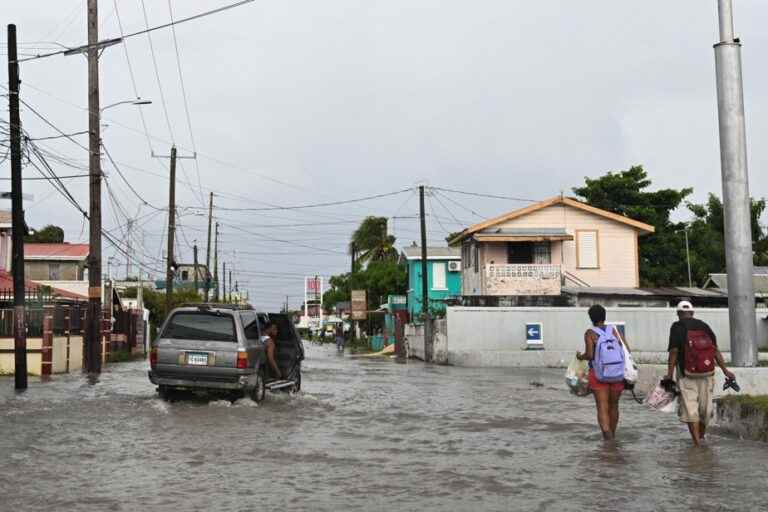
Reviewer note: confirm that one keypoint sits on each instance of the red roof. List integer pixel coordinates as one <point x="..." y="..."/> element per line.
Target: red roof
<point x="6" y="283"/>
<point x="53" y="251"/>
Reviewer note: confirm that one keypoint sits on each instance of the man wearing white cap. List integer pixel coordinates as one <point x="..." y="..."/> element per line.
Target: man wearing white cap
<point x="693" y="351"/>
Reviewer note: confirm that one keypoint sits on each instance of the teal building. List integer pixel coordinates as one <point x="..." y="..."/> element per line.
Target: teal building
<point x="443" y="277"/>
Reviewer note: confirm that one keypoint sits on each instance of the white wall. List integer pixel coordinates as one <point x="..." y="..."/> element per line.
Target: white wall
<point x="479" y="336"/>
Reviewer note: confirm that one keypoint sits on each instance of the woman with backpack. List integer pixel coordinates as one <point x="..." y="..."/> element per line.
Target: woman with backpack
<point x="603" y="350"/>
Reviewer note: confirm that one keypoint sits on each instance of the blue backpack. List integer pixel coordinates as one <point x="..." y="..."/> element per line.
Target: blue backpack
<point x="609" y="356"/>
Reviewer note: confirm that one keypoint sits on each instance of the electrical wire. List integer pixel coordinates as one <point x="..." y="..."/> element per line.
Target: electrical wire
<point x="491" y="196"/>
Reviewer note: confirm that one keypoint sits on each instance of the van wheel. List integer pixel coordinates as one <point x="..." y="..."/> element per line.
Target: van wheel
<point x="297" y="383"/>
<point x="164" y="392"/>
<point x="259" y="391"/>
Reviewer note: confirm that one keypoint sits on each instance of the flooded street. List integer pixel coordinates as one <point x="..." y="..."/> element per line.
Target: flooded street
<point x="363" y="435"/>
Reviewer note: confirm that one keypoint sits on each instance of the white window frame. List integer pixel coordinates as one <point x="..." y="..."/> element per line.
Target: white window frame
<point x="439" y="265"/>
<point x="580" y="263"/>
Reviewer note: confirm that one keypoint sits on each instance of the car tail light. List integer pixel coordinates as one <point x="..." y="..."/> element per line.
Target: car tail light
<point x="242" y="360"/>
<point x="153" y="357"/>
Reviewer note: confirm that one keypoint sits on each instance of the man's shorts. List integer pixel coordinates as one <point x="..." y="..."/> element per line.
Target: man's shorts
<point x="695" y="400"/>
<point x="594" y="384"/>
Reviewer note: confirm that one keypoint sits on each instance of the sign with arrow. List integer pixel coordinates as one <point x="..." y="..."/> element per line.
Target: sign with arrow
<point x="534" y="334"/>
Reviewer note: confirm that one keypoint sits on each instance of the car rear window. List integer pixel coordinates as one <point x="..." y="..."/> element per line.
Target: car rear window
<point x="202" y="326"/>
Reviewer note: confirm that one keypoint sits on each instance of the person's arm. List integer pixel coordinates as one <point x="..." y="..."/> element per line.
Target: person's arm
<point x="271" y="359"/>
<point x="674" y="350"/>
<point x="589" y="347"/>
<point x="721" y="363"/>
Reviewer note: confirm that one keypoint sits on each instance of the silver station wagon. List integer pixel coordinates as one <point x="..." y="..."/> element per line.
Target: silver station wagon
<point x="220" y="348"/>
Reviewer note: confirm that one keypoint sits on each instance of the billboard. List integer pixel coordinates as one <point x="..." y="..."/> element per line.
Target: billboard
<point x="359" y="305"/>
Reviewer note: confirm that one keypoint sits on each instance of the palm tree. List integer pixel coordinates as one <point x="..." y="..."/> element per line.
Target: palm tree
<point x="370" y="242"/>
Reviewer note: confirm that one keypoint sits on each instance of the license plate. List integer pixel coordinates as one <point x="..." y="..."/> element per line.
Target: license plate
<point x="197" y="358"/>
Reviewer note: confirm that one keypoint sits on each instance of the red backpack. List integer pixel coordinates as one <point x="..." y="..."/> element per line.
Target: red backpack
<point x="699" y="354"/>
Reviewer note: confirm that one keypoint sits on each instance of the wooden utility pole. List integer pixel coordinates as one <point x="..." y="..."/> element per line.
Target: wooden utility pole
<point x="128" y="231"/>
<point x="216" y="263"/>
<point x="171" y="234"/>
<point x="425" y="281"/>
<point x="197" y="288"/>
<point x="208" y="250"/>
<point x="17" y="232"/>
<point x="93" y="342"/>
<point x="230" y="284"/>
<point x="224" y="288"/>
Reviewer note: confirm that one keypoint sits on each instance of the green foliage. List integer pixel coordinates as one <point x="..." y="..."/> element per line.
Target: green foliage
<point x="154" y="301"/>
<point x="380" y="279"/>
<point x="662" y="254"/>
<point x="706" y="237"/>
<point x="50" y="234"/>
<point x="453" y="235"/>
<point x="371" y="243"/>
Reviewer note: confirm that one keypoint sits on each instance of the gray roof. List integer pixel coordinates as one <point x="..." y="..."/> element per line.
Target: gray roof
<point x="759" y="280"/>
<point x="643" y="292"/>
<point x="439" y="253"/>
<point x="525" y="231"/>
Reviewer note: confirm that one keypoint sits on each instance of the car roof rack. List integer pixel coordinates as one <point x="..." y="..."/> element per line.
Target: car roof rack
<point x="214" y="305"/>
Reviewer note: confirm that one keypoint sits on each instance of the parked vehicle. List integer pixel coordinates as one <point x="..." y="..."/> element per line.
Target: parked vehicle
<point x="219" y="348"/>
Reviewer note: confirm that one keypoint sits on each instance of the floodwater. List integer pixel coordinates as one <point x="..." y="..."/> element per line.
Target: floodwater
<point x="363" y="435"/>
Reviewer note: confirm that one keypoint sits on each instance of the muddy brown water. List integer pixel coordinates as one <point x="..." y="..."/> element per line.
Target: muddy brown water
<point x="363" y="435"/>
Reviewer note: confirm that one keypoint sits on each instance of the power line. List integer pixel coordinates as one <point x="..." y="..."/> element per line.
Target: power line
<point x="315" y="205"/>
<point x="140" y="32"/>
<point x="491" y="196"/>
<point x="127" y="182"/>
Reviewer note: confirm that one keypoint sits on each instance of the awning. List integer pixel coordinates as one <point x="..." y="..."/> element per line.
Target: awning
<point x="523" y="235"/>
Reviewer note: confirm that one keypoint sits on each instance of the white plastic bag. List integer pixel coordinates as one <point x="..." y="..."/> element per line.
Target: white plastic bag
<point x="630" y="367"/>
<point x="661" y="400"/>
<point x="577" y="377"/>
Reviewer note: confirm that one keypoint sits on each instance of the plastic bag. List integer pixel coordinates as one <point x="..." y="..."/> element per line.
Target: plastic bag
<point x="662" y="400"/>
<point x="630" y="368"/>
<point x="577" y="377"/>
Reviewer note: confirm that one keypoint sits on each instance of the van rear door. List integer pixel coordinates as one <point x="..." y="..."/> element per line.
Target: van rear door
<point x="195" y="341"/>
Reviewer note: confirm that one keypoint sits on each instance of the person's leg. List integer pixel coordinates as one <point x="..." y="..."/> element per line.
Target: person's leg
<point x="603" y="403"/>
<point x="693" y="428"/>
<point x="614" y="404"/>
<point x="689" y="407"/>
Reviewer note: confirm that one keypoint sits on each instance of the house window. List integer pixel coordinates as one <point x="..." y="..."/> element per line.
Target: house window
<point x="54" y="271"/>
<point x="185" y="275"/>
<point x="519" y="253"/>
<point x="541" y="253"/>
<point x="476" y="257"/>
<point x="587" y="249"/>
<point x="438" y="276"/>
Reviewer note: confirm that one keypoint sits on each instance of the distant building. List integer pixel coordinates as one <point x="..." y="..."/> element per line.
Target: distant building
<point x="443" y="277"/>
<point x="61" y="265"/>
<point x="184" y="278"/>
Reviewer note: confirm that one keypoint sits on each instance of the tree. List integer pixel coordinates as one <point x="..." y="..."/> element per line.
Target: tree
<point x="50" y="234"/>
<point x="370" y="242"/>
<point x="154" y="301"/>
<point x="453" y="235"/>
<point x="662" y="254"/>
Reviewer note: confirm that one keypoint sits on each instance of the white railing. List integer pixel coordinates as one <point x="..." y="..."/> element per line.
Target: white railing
<point x="533" y="271"/>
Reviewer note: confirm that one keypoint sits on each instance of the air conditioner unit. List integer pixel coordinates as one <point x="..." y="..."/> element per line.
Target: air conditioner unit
<point x="454" y="266"/>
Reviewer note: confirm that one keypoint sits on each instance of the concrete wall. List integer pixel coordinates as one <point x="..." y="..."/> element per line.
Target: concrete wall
<point x="496" y="336"/>
<point x="60" y="354"/>
<point x="414" y="336"/>
<point x="34" y="360"/>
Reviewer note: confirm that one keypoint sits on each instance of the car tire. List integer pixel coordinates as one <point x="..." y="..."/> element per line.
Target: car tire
<point x="297" y="386"/>
<point x="259" y="391"/>
<point x="164" y="392"/>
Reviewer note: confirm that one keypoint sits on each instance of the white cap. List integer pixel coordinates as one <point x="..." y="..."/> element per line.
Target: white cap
<point x="684" y="305"/>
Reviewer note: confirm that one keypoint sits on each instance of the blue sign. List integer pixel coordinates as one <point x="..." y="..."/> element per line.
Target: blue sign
<point x="534" y="334"/>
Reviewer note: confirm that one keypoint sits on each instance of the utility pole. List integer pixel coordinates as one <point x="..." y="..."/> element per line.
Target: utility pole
<point x="688" y="257"/>
<point x="216" y="263"/>
<point x="425" y="281"/>
<point x="194" y="250"/>
<point x="93" y="343"/>
<point x="208" y="250"/>
<point x="171" y="234"/>
<point x="736" y="199"/>
<point x="17" y="232"/>
<point x="129" y="228"/>
<point x="230" y="284"/>
<point x="224" y="288"/>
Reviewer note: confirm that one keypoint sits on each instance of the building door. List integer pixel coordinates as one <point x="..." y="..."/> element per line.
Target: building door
<point x="519" y="253"/>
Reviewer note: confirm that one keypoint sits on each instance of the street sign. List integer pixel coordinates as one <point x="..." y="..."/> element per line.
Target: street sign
<point x="359" y="305"/>
<point x="534" y="334"/>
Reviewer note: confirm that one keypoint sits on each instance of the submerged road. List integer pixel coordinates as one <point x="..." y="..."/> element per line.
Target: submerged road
<point x="363" y="435"/>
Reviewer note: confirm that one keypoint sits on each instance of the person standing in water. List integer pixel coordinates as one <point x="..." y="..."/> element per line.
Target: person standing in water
<point x="607" y="394"/>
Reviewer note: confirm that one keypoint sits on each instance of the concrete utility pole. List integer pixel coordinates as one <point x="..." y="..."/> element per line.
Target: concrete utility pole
<point x="208" y="250"/>
<point x="93" y="342"/>
<point x="17" y="228"/>
<point x="128" y="231"/>
<point x="224" y="286"/>
<point x="171" y="234"/>
<point x="425" y="281"/>
<point x="194" y="250"/>
<point x="230" y="284"/>
<point x="216" y="263"/>
<point x="736" y="199"/>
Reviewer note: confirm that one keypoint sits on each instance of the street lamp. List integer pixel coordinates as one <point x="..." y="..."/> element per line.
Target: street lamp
<point x="137" y="101"/>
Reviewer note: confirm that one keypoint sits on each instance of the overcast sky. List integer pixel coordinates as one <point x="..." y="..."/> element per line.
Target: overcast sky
<point x="304" y="101"/>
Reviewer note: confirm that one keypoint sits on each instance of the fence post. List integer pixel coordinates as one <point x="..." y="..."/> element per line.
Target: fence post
<point x="67" y="330"/>
<point x="47" y="346"/>
<point x="106" y="335"/>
